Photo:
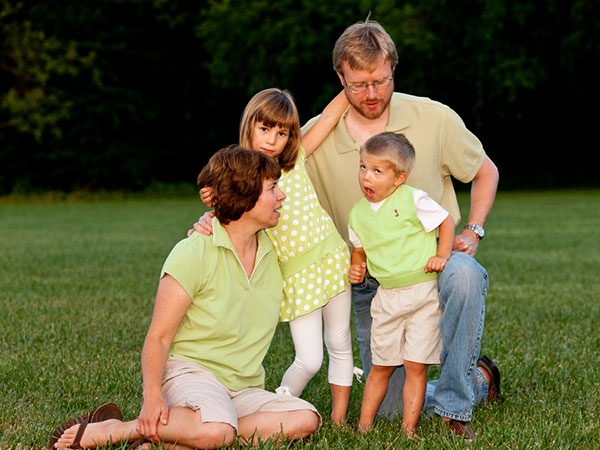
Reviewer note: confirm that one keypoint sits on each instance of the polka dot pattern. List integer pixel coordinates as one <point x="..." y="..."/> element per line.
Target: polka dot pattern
<point x="304" y="224"/>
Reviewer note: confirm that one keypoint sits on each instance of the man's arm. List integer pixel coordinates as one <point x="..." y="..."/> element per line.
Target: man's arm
<point x="483" y="193"/>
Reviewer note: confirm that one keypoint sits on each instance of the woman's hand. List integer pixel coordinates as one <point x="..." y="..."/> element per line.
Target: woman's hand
<point x="204" y="224"/>
<point x="153" y="411"/>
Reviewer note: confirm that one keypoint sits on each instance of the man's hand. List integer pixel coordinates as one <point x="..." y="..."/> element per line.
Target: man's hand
<point x="152" y="412"/>
<point x="466" y="242"/>
<point x="356" y="273"/>
<point x="204" y="224"/>
<point x="435" y="264"/>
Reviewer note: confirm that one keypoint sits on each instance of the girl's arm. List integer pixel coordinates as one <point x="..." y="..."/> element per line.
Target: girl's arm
<point x="171" y="304"/>
<point x="326" y="122"/>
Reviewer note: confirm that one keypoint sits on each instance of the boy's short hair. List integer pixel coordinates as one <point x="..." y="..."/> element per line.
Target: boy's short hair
<point x="392" y="147"/>
<point x="362" y="44"/>
<point x="236" y="176"/>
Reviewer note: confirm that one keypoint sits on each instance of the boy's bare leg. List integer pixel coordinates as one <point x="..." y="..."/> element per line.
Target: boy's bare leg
<point x="413" y="395"/>
<point x="185" y="428"/>
<point x="375" y="389"/>
<point x="340" y="397"/>
<point x="265" y="425"/>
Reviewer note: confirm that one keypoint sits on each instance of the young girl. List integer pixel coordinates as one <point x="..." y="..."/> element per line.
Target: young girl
<point x="313" y="257"/>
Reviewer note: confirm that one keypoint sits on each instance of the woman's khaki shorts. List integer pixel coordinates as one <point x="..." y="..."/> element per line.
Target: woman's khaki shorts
<point x="406" y="325"/>
<point x="187" y="384"/>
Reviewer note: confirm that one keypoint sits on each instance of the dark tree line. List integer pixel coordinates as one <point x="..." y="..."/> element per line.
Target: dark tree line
<point x="120" y="93"/>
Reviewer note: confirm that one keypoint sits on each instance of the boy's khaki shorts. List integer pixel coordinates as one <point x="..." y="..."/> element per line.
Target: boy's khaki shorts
<point x="406" y="325"/>
<point x="187" y="384"/>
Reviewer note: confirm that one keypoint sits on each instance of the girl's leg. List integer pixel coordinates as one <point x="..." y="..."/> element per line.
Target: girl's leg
<point x="307" y="334"/>
<point x="185" y="427"/>
<point x="375" y="389"/>
<point x="413" y="395"/>
<point x="338" y="340"/>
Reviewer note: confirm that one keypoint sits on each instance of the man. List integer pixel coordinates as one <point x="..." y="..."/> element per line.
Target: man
<point x="365" y="58"/>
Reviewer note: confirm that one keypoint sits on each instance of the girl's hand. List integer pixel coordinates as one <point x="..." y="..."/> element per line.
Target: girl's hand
<point x="436" y="264"/>
<point x="152" y="411"/>
<point x="206" y="195"/>
<point x="204" y="224"/>
<point x="356" y="273"/>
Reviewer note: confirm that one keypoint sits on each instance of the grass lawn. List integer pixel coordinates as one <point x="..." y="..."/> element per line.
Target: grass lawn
<point x="77" y="281"/>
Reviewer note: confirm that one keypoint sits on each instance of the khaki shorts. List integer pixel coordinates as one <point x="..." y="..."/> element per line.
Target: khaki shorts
<point x="188" y="385"/>
<point x="406" y="325"/>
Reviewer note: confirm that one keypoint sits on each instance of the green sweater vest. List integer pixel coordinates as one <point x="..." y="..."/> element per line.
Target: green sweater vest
<point x="394" y="240"/>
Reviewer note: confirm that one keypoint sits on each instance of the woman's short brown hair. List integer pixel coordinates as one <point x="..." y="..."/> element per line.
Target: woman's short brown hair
<point x="273" y="107"/>
<point x="236" y="176"/>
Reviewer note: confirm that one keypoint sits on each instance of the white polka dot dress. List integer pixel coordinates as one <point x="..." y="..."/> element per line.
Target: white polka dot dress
<point x="313" y="257"/>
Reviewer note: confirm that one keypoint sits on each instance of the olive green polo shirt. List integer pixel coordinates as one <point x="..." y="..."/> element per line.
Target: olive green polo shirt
<point x="229" y="325"/>
<point x="444" y="147"/>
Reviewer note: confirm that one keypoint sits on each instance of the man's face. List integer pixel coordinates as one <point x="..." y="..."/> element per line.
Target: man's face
<point x="371" y="103"/>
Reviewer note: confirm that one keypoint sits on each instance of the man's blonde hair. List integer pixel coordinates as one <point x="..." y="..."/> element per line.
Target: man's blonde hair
<point x="391" y="147"/>
<point x="362" y="45"/>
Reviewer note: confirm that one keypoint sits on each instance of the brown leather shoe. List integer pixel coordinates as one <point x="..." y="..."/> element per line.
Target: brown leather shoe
<point x="460" y="428"/>
<point x="487" y="365"/>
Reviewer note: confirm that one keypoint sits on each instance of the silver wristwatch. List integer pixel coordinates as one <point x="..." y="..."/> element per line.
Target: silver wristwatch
<point x="479" y="231"/>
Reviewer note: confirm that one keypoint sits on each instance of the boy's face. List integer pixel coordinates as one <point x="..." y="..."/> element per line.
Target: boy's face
<point x="377" y="177"/>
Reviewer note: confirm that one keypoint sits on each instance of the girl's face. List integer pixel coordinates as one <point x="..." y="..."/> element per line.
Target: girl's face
<point x="269" y="140"/>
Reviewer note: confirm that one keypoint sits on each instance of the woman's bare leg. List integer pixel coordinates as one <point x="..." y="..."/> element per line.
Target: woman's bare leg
<point x="185" y="428"/>
<point x="264" y="425"/>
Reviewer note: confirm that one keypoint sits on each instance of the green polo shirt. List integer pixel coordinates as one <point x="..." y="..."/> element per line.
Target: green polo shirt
<point x="445" y="149"/>
<point x="229" y="325"/>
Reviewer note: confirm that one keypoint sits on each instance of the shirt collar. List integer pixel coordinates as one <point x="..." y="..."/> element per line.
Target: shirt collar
<point x="397" y="121"/>
<point x="221" y="239"/>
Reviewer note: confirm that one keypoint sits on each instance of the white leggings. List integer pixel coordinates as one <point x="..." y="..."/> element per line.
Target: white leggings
<point x="307" y="333"/>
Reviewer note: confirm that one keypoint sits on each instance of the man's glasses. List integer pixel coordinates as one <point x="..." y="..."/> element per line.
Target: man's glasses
<point x="359" y="88"/>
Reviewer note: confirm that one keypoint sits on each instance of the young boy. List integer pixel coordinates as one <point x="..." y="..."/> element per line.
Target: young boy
<point x="393" y="233"/>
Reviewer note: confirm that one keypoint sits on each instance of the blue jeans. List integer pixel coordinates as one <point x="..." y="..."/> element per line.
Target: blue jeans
<point x="463" y="289"/>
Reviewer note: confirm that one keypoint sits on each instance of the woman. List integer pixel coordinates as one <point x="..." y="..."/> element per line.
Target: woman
<point x="215" y="313"/>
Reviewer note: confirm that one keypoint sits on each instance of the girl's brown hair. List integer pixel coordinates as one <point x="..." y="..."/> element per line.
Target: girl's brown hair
<point x="273" y="107"/>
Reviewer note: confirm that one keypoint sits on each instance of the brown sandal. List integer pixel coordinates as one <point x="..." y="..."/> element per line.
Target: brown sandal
<point x="105" y="412"/>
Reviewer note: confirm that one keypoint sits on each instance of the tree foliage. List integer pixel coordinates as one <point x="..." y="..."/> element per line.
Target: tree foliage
<point x="120" y="93"/>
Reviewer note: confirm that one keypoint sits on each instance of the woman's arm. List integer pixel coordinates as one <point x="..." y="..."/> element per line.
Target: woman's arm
<point x="171" y="304"/>
<point x="326" y="122"/>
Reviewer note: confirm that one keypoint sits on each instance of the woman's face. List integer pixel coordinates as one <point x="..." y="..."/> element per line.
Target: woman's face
<point x="266" y="210"/>
<point x="269" y="140"/>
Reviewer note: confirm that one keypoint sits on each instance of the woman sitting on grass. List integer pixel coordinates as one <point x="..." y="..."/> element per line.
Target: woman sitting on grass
<point x="215" y="313"/>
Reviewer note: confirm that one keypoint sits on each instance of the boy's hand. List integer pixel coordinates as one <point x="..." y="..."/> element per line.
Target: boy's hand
<point x="436" y="264"/>
<point x="204" y="224"/>
<point x="206" y="195"/>
<point x="356" y="273"/>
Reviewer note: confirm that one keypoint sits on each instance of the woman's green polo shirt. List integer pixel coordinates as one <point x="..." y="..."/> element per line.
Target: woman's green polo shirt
<point x="232" y="318"/>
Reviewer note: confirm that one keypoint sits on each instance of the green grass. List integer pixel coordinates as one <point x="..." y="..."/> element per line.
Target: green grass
<point x="78" y="277"/>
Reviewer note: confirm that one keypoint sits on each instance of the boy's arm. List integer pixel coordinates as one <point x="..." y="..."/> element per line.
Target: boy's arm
<point x="446" y="241"/>
<point x="358" y="266"/>
<point x="326" y="122"/>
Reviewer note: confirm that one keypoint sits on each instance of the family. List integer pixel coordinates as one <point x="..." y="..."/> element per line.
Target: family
<point x="287" y="209"/>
